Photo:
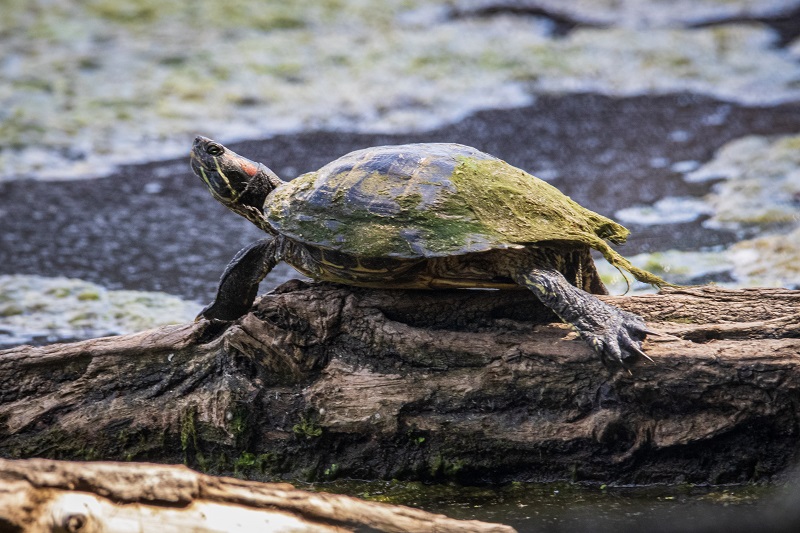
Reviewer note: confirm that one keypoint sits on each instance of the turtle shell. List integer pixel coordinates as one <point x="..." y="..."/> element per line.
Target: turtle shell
<point x="431" y="200"/>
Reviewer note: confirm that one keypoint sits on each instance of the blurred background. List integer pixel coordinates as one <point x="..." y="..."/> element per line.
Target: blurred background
<point x="679" y="118"/>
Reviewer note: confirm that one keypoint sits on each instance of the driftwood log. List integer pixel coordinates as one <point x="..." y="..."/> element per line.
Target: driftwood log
<point x="323" y="381"/>
<point x="45" y="495"/>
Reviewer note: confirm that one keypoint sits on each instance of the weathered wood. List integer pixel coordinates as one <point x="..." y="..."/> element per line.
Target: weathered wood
<point x="46" y="495"/>
<point x="323" y="381"/>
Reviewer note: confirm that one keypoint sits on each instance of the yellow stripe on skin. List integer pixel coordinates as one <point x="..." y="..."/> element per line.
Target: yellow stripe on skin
<point x="362" y="268"/>
<point x="211" y="187"/>
<point x="358" y="268"/>
<point x="234" y="194"/>
<point x="207" y="181"/>
<point x="325" y="262"/>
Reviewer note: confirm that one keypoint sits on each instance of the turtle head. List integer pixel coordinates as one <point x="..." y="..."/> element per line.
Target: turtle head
<point x="236" y="182"/>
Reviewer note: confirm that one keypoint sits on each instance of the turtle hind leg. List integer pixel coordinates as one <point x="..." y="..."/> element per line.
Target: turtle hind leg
<point x="238" y="285"/>
<point x="580" y="270"/>
<point x="614" y="334"/>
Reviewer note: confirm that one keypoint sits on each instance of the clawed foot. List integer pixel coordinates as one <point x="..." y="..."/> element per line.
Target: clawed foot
<point x="615" y="335"/>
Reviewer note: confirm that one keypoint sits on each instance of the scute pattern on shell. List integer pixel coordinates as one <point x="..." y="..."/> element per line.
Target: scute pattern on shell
<point x="435" y="200"/>
<point x="388" y="201"/>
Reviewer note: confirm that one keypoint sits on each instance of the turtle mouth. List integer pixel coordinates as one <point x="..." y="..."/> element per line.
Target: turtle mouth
<point x="212" y="175"/>
<point x="200" y="167"/>
<point x="196" y="162"/>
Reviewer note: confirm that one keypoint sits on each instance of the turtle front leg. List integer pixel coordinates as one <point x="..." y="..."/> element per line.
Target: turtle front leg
<point x="238" y="285"/>
<point x="613" y="333"/>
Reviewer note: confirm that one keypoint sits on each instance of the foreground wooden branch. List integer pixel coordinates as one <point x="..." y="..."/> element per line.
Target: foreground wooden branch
<point x="323" y="381"/>
<point x="45" y="495"/>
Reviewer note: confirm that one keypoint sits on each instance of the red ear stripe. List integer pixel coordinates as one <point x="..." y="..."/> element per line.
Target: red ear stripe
<point x="249" y="168"/>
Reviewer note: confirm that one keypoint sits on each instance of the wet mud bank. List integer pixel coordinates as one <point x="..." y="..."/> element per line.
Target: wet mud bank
<point x="155" y="227"/>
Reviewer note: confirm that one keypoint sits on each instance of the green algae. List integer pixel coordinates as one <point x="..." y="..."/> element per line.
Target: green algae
<point x="307" y="427"/>
<point x="238" y="424"/>
<point x="760" y="181"/>
<point x="557" y="505"/>
<point x="656" y="265"/>
<point x="70" y="308"/>
<point x="190" y="441"/>
<point x="249" y="463"/>
<point x="523" y="209"/>
<point x="188" y="433"/>
<point x="442" y="467"/>
<point x="357" y="228"/>
<point x="484" y="204"/>
<point x="220" y="66"/>
<point x="88" y="296"/>
<point x="331" y="472"/>
<point x="10" y="310"/>
<point x="409" y="202"/>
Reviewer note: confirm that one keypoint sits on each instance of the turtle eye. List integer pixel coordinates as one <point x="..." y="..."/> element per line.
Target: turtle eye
<point x="214" y="149"/>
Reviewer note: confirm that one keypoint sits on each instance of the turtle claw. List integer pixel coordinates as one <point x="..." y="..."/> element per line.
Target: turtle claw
<point x="615" y="335"/>
<point x="617" y="338"/>
<point x="639" y="352"/>
<point x="621" y="356"/>
<point x="633" y="345"/>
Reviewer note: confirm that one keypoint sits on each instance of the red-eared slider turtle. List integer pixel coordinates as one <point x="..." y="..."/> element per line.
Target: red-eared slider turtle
<point x="423" y="216"/>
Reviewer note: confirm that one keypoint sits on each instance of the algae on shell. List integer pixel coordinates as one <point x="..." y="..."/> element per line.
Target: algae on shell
<point x="405" y="202"/>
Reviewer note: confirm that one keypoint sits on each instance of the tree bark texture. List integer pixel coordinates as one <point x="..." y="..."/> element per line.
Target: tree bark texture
<point x="45" y="495"/>
<point x="323" y="381"/>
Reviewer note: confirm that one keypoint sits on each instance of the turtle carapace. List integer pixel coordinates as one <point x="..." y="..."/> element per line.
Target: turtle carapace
<point x="423" y="216"/>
